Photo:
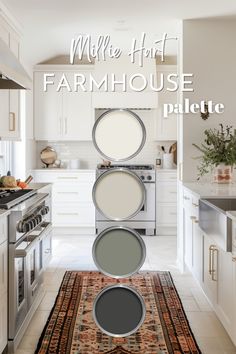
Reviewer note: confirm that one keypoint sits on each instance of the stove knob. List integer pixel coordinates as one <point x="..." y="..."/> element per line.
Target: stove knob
<point x="45" y="210"/>
<point x="142" y="177"/>
<point x="27" y="226"/>
<point x="20" y="226"/>
<point x="33" y="222"/>
<point x="39" y="218"/>
<point x="149" y="178"/>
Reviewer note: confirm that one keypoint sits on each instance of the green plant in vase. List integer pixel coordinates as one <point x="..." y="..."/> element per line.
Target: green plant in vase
<point x="218" y="153"/>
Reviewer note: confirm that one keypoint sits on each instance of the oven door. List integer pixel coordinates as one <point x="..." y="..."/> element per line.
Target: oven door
<point x="18" y="304"/>
<point x="44" y="234"/>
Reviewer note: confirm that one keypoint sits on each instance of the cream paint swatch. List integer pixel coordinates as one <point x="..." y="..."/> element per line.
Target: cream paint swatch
<point x="119" y="194"/>
<point x="119" y="135"/>
<point x="119" y="252"/>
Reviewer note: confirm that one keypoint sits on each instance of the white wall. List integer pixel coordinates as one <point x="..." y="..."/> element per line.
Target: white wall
<point x="209" y="51"/>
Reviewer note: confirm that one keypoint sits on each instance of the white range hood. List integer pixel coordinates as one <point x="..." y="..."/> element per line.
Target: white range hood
<point x="12" y="73"/>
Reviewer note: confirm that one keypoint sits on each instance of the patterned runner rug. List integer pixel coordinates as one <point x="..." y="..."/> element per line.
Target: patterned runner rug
<point x="70" y="328"/>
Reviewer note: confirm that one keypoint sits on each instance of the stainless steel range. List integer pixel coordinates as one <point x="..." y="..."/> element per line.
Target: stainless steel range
<point x="145" y="220"/>
<point x="29" y="233"/>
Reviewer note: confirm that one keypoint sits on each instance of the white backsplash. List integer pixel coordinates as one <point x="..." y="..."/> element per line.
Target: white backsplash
<point x="88" y="155"/>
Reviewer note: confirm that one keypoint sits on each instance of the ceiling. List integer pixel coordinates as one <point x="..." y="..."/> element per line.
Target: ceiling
<point x="49" y="25"/>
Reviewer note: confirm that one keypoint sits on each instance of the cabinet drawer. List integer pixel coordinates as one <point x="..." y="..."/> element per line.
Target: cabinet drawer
<point x="72" y="216"/>
<point x="64" y="178"/>
<point x="3" y="267"/>
<point x="81" y="192"/>
<point x="166" y="192"/>
<point x="166" y="214"/>
<point x="3" y="229"/>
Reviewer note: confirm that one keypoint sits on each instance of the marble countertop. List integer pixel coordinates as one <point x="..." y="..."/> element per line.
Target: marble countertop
<point x="211" y="190"/>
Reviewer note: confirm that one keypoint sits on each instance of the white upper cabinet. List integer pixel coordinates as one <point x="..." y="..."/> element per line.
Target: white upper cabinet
<point x="10" y="99"/>
<point x="166" y="127"/>
<point x="61" y="115"/>
<point x="47" y="110"/>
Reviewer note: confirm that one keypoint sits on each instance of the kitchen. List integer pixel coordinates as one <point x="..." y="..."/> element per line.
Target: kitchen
<point x="54" y="228"/>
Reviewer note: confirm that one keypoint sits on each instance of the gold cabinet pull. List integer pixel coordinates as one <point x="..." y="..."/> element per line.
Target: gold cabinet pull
<point x="210" y="260"/>
<point x="234" y="259"/>
<point x="214" y="266"/>
<point x="12" y="121"/>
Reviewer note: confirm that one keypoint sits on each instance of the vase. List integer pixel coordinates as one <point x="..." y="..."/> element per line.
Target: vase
<point x="223" y="174"/>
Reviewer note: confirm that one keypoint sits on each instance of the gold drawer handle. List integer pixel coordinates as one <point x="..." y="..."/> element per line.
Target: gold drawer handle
<point x="196" y="205"/>
<point x="12" y="121"/>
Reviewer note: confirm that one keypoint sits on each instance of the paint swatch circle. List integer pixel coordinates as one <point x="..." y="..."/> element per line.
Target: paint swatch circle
<point x="119" y="134"/>
<point x="119" y="194"/>
<point x="119" y="310"/>
<point x="119" y="252"/>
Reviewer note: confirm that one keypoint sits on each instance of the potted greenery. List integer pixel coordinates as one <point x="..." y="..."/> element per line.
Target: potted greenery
<point x="218" y="153"/>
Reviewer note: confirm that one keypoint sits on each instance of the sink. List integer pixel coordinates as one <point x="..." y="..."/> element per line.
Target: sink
<point x="214" y="221"/>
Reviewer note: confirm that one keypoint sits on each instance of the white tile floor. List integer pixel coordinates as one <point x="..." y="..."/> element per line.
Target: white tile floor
<point x="74" y="252"/>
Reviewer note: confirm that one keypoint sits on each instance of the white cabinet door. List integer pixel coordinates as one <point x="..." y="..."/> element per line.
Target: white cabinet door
<point x="48" y="114"/>
<point x="225" y="288"/>
<point x="197" y="251"/>
<point x="77" y="116"/>
<point x="61" y="115"/>
<point x="233" y="327"/>
<point x="3" y="229"/>
<point x="3" y="268"/>
<point x="10" y="99"/>
<point x="3" y="322"/>
<point x="188" y="238"/>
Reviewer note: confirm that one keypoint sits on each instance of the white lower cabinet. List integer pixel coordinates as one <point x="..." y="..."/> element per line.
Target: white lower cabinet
<point x="3" y="322"/>
<point x="3" y="282"/>
<point x="214" y="268"/>
<point x="72" y="204"/>
<point x="166" y="202"/>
